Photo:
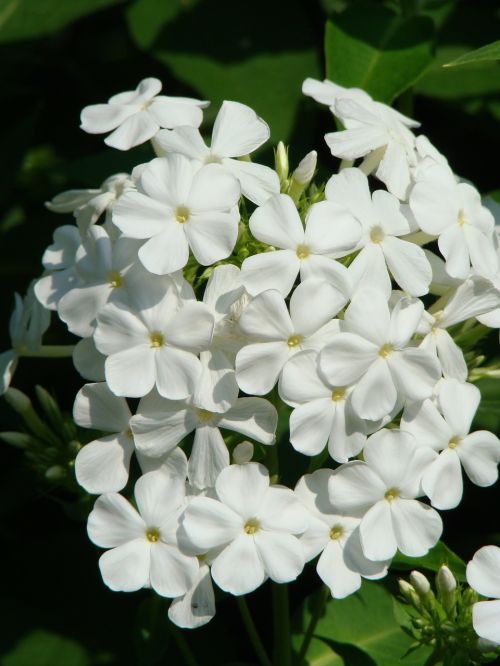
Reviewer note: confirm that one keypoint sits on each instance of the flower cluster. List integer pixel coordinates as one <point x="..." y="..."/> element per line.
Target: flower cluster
<point x="216" y="289"/>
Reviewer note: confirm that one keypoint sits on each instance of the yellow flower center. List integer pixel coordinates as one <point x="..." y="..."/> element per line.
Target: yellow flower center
<point x="336" y="532"/>
<point x="181" y="214"/>
<point x="391" y="494"/>
<point x="338" y="394"/>
<point x="129" y="433"/>
<point x="115" y="280"/>
<point x="302" y="252"/>
<point x="454" y="442"/>
<point x="385" y="350"/>
<point x="152" y="534"/>
<point x="377" y="234"/>
<point x="156" y="339"/>
<point x="203" y="415"/>
<point x="294" y="340"/>
<point x="461" y="218"/>
<point x="251" y="526"/>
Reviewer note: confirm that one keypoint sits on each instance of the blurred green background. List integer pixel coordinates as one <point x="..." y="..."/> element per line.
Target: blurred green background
<point x="61" y="55"/>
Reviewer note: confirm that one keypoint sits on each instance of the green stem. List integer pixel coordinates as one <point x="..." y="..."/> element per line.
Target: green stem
<point x="49" y="351"/>
<point x="252" y="632"/>
<point x="182" y="646"/>
<point x="282" y="654"/>
<point x="323" y="595"/>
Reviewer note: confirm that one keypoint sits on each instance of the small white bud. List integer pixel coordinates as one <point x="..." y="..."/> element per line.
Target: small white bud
<point x="420" y="583"/>
<point x="305" y="171"/>
<point x="243" y="453"/>
<point x="445" y="580"/>
<point x="281" y="161"/>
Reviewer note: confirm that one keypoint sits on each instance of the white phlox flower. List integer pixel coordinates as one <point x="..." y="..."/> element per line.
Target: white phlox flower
<point x="381" y="250"/>
<point x="483" y="575"/>
<point x="144" y="544"/>
<point x="250" y="522"/>
<point x="197" y="607"/>
<point x="453" y="212"/>
<point x="135" y="116"/>
<point x="335" y="538"/>
<point x="277" y="334"/>
<point x="373" y="351"/>
<point x="59" y="262"/>
<point x="375" y="130"/>
<point x="217" y="389"/>
<point x="308" y="251"/>
<point x="28" y="322"/>
<point x="160" y="425"/>
<point x="323" y="413"/>
<point x="328" y="93"/>
<point x="237" y="132"/>
<point x="88" y="205"/>
<point x="154" y="345"/>
<point x="445" y="428"/>
<point x="179" y="206"/>
<point x="472" y="298"/>
<point x="382" y="491"/>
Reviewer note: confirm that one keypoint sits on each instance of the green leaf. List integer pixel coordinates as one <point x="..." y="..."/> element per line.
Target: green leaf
<point x="436" y="557"/>
<point x="45" y="648"/>
<point x="488" y="52"/>
<point x="488" y="413"/>
<point x="26" y="19"/>
<point x="360" y="630"/>
<point x="370" y="47"/>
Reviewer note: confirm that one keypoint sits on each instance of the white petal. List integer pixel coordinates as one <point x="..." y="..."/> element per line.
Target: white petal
<point x="243" y="488"/>
<point x="159" y="428"/>
<point x="483" y="256"/>
<point x="101" y="118"/>
<point x="211" y="236"/>
<point x="278" y="223"/>
<point x="375" y="394"/>
<point x="113" y="521"/>
<point x="118" y="329"/>
<point x="270" y="270"/>
<point x="350" y="189"/>
<point x="172" y="573"/>
<point x="417" y="527"/>
<point x="191" y="328"/>
<point x="281" y="555"/>
<point x="434" y="206"/>
<point x="425" y="423"/>
<point x="331" y="229"/>
<point x="354" y="487"/>
<point x="408" y="264"/>
<point x="177" y="372"/>
<point x="88" y="361"/>
<point x="126" y="567"/>
<point x="300" y="381"/>
<point x="442" y="482"/>
<point x="102" y="466"/>
<point x="239" y="569"/>
<point x="486" y="620"/>
<point x="216" y="389"/>
<point x="253" y="417"/>
<point x="96" y="407"/>
<point x="377" y="533"/>
<point x="131" y="372"/>
<point x="132" y="132"/>
<point x="483" y="571"/>
<point x="185" y="140"/>
<point x="209" y="456"/>
<point x="479" y="454"/>
<point x="166" y="252"/>
<point x="389" y="453"/>
<point x="405" y="318"/>
<point x="393" y="169"/>
<point x="159" y="497"/>
<point x="313" y="304"/>
<point x="346" y="359"/>
<point x="369" y="271"/>
<point x="473" y="297"/>
<point x="281" y="511"/>
<point x="213" y="190"/>
<point x="415" y="372"/>
<point x="210" y="524"/>
<point x="333" y="571"/>
<point x="175" y="112"/>
<point x="453" y="246"/>
<point x="258" y="182"/>
<point x="8" y="363"/>
<point x="238" y="130"/>
<point x="197" y="606"/>
<point x="368" y="316"/>
<point x="459" y="402"/>
<point x="355" y="559"/>
<point x="311" y="425"/>
<point x="258" y="366"/>
<point x="450" y="356"/>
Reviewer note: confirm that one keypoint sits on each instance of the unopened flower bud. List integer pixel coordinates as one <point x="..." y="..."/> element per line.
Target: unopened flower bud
<point x="420" y="583"/>
<point x="445" y="581"/>
<point x="281" y="162"/>
<point x="305" y="171"/>
<point x="55" y="473"/>
<point x="408" y="592"/>
<point x="243" y="453"/>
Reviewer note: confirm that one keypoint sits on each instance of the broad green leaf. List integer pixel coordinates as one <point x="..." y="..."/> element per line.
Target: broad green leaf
<point x="436" y="557"/>
<point x="28" y="19"/>
<point x="45" y="648"/>
<point x="360" y="630"/>
<point x="488" y="52"/>
<point x="370" y="47"/>
<point x="488" y="413"/>
<point x="145" y="18"/>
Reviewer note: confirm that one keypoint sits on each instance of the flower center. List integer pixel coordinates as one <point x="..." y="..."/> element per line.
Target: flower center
<point x="338" y="394"/>
<point x="461" y="218"/>
<point x="302" y="252"/>
<point x="391" y="494"/>
<point x="212" y="159"/>
<point x="203" y="415"/>
<point x="156" y="339"/>
<point x="152" y="534"/>
<point x="129" y="433"/>
<point x="336" y="532"/>
<point x="115" y="280"/>
<point x="294" y="340"/>
<point x="385" y="350"/>
<point x="251" y="526"/>
<point x="181" y="214"/>
<point x="377" y="234"/>
<point x="454" y="442"/>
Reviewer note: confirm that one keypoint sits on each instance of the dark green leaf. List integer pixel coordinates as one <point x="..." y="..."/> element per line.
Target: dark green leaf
<point x="488" y="413"/>
<point x="436" y="557"/>
<point x="44" y="648"/>
<point x="360" y="630"/>
<point x="488" y="52"/>
<point x="382" y="53"/>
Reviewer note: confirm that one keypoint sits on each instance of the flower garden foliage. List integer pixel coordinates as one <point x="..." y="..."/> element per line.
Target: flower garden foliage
<point x="280" y="364"/>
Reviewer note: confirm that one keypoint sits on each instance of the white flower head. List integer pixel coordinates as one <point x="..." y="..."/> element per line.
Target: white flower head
<point x="382" y="491"/>
<point x="135" y="116"/>
<point x="446" y="430"/>
<point x="373" y="352"/>
<point x="179" y="206"/>
<point x="144" y="543"/>
<point x="237" y="132"/>
<point x="483" y="575"/>
<point x="307" y="251"/>
<point x="335" y="537"/>
<point x="251" y="522"/>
